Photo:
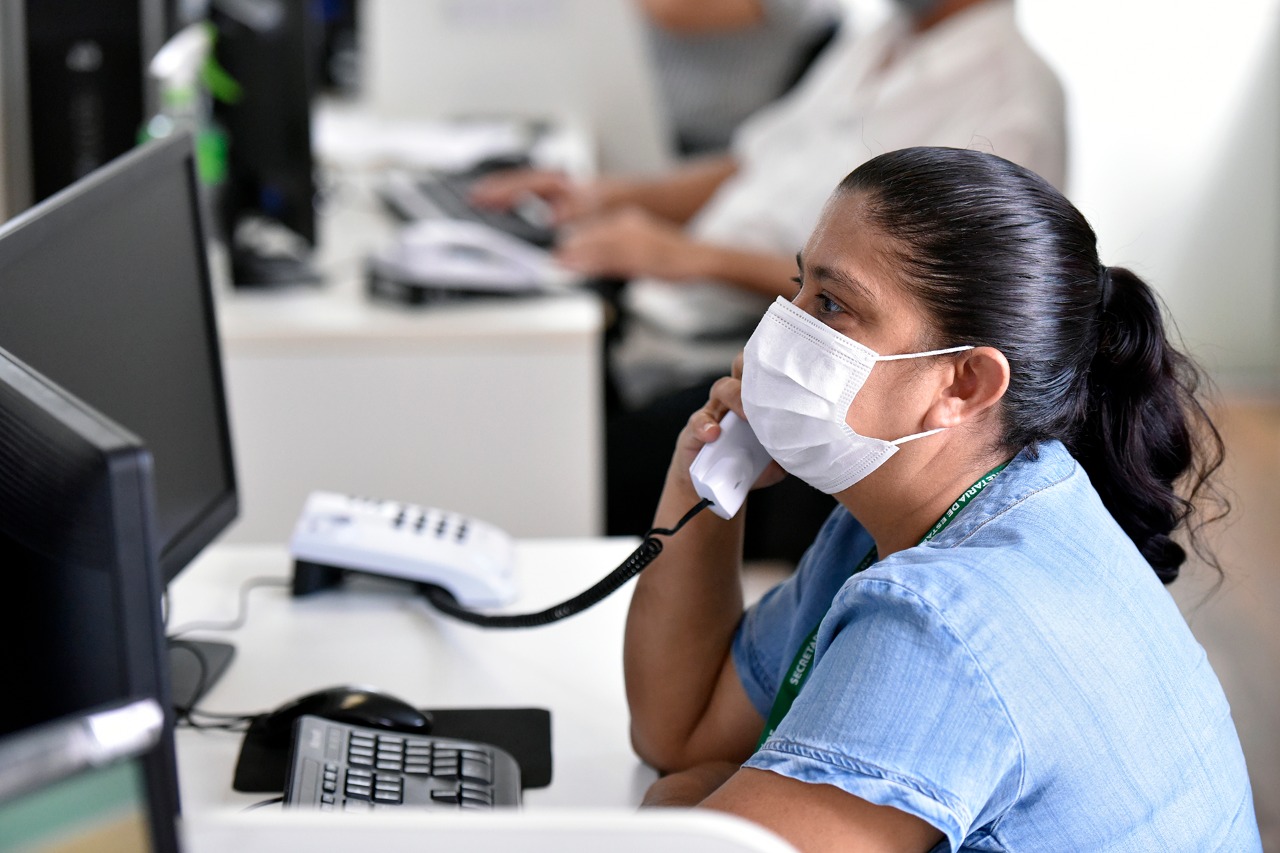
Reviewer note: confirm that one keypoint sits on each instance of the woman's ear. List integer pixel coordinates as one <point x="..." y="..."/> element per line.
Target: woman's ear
<point x="975" y="381"/>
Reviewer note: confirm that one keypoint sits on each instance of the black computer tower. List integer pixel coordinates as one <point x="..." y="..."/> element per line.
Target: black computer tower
<point x="86" y="79"/>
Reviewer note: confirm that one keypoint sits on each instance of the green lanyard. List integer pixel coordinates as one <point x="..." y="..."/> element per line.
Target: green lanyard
<point x="803" y="662"/>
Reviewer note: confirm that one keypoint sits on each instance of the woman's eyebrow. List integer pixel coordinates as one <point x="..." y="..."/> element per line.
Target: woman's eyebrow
<point x="840" y="278"/>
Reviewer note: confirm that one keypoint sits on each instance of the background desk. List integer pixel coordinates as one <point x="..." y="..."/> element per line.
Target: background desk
<point x="492" y="408"/>
<point x="379" y="633"/>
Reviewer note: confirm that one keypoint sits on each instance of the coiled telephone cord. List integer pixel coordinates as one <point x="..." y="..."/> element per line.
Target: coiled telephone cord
<point x="641" y="557"/>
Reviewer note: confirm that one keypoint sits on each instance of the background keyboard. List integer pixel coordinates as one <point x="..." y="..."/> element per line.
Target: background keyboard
<point x="427" y="196"/>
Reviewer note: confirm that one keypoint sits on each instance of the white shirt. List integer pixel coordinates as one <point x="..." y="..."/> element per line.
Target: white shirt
<point x="972" y="81"/>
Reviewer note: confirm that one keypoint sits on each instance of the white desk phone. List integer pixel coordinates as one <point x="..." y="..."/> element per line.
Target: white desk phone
<point x="455" y="255"/>
<point x="471" y="559"/>
<point x="474" y="560"/>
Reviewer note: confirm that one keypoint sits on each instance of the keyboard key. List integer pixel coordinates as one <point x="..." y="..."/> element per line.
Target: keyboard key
<point x="476" y="770"/>
<point x="470" y="789"/>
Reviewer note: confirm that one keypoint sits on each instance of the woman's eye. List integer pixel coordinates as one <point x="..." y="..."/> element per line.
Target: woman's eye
<point x="826" y="305"/>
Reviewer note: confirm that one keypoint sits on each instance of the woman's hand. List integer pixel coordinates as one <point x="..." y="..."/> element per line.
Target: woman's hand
<point x="703" y="426"/>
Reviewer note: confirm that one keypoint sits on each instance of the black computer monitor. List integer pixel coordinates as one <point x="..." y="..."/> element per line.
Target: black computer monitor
<point x="105" y="288"/>
<point x="269" y="48"/>
<point x="80" y="614"/>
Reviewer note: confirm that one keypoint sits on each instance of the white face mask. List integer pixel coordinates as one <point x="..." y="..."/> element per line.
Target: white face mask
<point x="799" y="378"/>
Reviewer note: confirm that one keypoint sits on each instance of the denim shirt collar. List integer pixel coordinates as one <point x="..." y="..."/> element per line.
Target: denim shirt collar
<point x="1033" y="469"/>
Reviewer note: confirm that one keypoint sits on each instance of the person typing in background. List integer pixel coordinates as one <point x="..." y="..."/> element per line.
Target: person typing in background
<point x="706" y="247"/>
<point x="718" y="61"/>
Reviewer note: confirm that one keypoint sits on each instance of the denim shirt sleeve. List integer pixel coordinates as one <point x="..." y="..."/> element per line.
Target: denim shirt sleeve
<point x="898" y="712"/>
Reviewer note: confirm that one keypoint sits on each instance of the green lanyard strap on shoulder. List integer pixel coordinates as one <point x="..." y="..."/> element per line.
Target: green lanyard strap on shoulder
<point x="803" y="663"/>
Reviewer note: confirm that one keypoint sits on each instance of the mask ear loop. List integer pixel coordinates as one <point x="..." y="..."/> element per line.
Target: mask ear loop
<point x="914" y="436"/>
<point x="906" y="355"/>
<point x="921" y="354"/>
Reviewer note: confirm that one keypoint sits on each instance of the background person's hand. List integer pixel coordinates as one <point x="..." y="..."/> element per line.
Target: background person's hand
<point x="629" y="243"/>
<point x="567" y="199"/>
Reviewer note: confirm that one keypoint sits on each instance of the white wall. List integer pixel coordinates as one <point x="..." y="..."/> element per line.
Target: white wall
<point x="1175" y="157"/>
<point x="1175" y="141"/>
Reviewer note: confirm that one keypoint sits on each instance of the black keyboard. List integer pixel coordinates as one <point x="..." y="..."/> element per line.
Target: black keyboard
<point x="413" y="197"/>
<point x="342" y="767"/>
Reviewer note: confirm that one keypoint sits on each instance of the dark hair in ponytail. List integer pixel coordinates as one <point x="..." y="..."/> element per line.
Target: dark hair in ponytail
<point x="998" y="257"/>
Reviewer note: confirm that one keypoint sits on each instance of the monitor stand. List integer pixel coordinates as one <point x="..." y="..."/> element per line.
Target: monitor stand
<point x="194" y="667"/>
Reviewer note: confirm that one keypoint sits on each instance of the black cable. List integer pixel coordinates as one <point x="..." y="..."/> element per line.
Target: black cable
<point x="646" y="553"/>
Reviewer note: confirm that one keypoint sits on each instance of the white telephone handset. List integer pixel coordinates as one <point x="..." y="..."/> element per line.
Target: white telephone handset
<point x="724" y="470"/>
<point x="472" y="559"/>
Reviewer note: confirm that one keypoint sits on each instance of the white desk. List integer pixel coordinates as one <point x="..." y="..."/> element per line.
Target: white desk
<point x="492" y="409"/>
<point x="378" y="633"/>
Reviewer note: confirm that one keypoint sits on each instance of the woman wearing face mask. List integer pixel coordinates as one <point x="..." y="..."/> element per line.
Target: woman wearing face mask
<point x="977" y="652"/>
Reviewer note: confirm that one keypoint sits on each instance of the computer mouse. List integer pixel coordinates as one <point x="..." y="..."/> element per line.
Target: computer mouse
<point x="363" y="706"/>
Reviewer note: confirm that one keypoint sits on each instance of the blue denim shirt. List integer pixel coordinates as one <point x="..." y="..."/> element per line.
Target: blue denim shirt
<point x="1023" y="681"/>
